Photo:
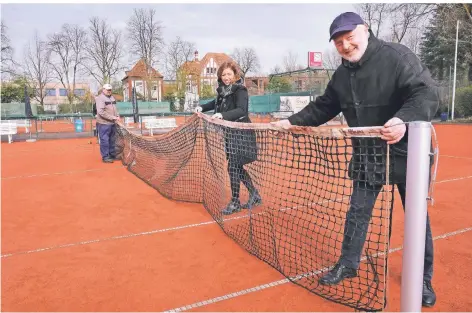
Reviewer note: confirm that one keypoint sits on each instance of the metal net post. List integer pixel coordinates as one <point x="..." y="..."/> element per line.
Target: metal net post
<point x="417" y="182"/>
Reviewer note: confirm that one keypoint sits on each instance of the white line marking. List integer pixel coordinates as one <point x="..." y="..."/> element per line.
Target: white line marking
<point x="166" y="229"/>
<point x="455" y="157"/>
<point x="284" y="281"/>
<point x="453" y="179"/>
<point x="108" y="239"/>
<point x="140" y="234"/>
<point x="58" y="173"/>
<point x="46" y="149"/>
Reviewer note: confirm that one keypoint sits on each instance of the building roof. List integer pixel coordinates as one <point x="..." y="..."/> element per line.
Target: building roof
<point x="195" y="67"/>
<point x="139" y="70"/>
<point x="192" y="67"/>
<point x="219" y="58"/>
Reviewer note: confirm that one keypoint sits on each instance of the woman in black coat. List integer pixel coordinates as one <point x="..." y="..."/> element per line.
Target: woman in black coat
<point x="231" y="104"/>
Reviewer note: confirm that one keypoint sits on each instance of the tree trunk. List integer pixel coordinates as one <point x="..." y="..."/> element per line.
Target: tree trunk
<point x="469" y="76"/>
<point x="441" y="70"/>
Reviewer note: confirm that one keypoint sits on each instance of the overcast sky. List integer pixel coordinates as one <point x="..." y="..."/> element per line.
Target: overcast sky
<point x="271" y="29"/>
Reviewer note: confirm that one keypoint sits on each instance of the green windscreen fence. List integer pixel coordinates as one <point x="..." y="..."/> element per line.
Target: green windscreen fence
<point x="271" y="102"/>
<point x="16" y="109"/>
<point x="257" y="104"/>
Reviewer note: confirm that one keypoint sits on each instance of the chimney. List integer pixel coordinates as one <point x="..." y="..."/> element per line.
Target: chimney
<point x="196" y="55"/>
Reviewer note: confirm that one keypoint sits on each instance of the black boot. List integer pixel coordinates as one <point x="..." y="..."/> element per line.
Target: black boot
<point x="429" y="297"/>
<point x="254" y="200"/>
<point x="337" y="274"/>
<point x="233" y="207"/>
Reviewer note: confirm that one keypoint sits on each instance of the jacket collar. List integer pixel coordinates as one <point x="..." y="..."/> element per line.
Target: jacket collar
<point x="373" y="46"/>
<point x="235" y="86"/>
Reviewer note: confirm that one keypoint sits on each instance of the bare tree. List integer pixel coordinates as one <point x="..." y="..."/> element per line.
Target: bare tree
<point x="178" y="52"/>
<point x="247" y="59"/>
<point x="397" y="22"/>
<point x="7" y="66"/>
<point x="37" y="67"/>
<point x="407" y="16"/>
<point x="104" y="52"/>
<point x="468" y="10"/>
<point x="146" y="41"/>
<point x="414" y="37"/>
<point x="331" y="59"/>
<point x="375" y="15"/>
<point x="67" y="54"/>
<point x="276" y="70"/>
<point x="291" y="62"/>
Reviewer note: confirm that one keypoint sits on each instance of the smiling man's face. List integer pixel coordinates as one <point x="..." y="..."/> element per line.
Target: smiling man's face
<point x="352" y="45"/>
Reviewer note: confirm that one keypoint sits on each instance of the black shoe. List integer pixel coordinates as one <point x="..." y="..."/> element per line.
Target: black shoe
<point x="429" y="297"/>
<point x="107" y="160"/>
<point x="254" y="200"/>
<point x="232" y="207"/>
<point x="337" y="274"/>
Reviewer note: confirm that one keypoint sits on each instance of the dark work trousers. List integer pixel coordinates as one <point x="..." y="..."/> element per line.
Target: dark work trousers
<point x="238" y="174"/>
<point x="107" y="134"/>
<point x="358" y="217"/>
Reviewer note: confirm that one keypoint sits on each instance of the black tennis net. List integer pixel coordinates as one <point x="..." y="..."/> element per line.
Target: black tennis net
<point x="283" y="195"/>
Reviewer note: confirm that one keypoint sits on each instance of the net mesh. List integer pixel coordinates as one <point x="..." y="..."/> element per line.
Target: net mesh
<point x="299" y="183"/>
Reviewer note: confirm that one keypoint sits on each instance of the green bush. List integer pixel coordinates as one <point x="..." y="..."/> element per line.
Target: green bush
<point x="463" y="105"/>
<point x="207" y="92"/>
<point x="83" y="107"/>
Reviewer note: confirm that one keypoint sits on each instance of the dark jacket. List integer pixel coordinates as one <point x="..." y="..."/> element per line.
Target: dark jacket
<point x="240" y="145"/>
<point x="389" y="81"/>
<point x="233" y="107"/>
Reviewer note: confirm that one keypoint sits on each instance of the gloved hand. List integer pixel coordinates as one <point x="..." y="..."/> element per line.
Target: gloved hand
<point x="217" y="115"/>
<point x="198" y="109"/>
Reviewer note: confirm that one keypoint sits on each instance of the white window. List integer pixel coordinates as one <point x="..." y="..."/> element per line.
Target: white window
<point x="139" y="86"/>
<point x="211" y="70"/>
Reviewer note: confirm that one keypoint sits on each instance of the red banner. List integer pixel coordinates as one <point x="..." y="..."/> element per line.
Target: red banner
<point x="315" y="59"/>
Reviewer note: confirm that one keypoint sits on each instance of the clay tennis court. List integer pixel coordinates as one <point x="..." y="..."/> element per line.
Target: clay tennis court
<point x="81" y="235"/>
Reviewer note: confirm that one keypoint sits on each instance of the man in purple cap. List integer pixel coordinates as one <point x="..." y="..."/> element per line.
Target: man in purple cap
<point x="378" y="83"/>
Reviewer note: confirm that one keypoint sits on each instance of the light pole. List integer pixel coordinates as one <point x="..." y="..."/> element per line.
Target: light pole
<point x="455" y="73"/>
<point x="449" y="90"/>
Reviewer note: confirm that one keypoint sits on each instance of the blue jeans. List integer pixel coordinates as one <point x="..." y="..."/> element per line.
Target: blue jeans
<point x="107" y="135"/>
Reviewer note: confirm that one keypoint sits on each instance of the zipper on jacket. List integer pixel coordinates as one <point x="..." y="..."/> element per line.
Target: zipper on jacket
<point x="355" y="99"/>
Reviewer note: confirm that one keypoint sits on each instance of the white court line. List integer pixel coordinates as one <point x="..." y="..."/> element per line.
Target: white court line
<point x="58" y="173"/>
<point x="46" y="149"/>
<point x="452" y="179"/>
<point x="108" y="239"/>
<point x="166" y="229"/>
<point x="455" y="157"/>
<point x="286" y="280"/>
<point x="146" y="233"/>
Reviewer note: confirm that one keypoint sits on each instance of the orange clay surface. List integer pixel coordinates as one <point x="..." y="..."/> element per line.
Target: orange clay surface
<point x="82" y="235"/>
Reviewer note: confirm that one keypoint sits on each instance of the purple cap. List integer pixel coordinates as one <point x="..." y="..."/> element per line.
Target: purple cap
<point x="345" y="22"/>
